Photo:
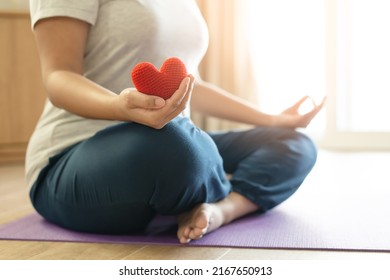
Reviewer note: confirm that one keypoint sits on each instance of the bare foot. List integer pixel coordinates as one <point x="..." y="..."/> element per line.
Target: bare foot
<point x="206" y="217"/>
<point x="202" y="219"/>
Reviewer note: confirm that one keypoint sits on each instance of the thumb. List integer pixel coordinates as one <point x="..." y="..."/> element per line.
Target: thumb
<point x="301" y="101"/>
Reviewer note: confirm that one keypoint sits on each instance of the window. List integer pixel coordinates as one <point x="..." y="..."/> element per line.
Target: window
<point x="338" y="48"/>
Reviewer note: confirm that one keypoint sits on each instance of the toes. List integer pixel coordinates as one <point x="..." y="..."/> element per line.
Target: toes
<point x="187" y="231"/>
<point x="194" y="225"/>
<point x="187" y="234"/>
<point x="184" y="240"/>
<point x="197" y="233"/>
<point x="184" y="234"/>
<point x="197" y="237"/>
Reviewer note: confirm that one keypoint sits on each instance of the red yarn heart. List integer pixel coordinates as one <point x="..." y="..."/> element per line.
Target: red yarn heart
<point x="149" y="80"/>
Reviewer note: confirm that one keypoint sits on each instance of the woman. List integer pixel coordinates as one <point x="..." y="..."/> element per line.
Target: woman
<point x="105" y="158"/>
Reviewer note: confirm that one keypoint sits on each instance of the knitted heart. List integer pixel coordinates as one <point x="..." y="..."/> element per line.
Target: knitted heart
<point x="149" y="80"/>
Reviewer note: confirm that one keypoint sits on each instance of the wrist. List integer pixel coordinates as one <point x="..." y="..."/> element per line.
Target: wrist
<point x="273" y="120"/>
<point x="279" y="121"/>
<point x="114" y="110"/>
<point x="267" y="120"/>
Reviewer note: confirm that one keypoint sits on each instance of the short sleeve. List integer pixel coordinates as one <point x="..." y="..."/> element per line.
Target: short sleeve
<point x="85" y="10"/>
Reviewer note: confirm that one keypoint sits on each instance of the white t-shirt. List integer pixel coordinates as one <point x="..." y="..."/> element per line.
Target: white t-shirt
<point x="123" y="33"/>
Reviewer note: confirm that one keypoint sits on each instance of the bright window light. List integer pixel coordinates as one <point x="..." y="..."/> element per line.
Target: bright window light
<point x="364" y="64"/>
<point x="288" y="49"/>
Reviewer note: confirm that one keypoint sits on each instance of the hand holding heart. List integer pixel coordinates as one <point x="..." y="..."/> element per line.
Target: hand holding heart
<point x="149" y="108"/>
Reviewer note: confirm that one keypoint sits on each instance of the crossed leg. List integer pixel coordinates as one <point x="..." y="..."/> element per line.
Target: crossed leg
<point x="267" y="166"/>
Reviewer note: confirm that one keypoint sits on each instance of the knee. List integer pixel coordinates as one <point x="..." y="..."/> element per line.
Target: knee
<point x="189" y="168"/>
<point x="303" y="151"/>
<point x="187" y="152"/>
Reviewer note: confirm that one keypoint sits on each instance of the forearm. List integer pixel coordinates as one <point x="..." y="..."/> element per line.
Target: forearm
<point x="78" y="95"/>
<point x="61" y="44"/>
<point x="213" y="101"/>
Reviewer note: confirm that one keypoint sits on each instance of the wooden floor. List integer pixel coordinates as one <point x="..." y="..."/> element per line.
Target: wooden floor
<point x="14" y="203"/>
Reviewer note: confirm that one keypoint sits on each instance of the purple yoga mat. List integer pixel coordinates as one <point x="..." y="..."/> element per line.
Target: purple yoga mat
<point x="346" y="210"/>
<point x="298" y="227"/>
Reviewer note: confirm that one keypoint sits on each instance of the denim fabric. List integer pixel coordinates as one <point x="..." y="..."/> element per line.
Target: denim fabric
<point x="267" y="165"/>
<point x="119" y="179"/>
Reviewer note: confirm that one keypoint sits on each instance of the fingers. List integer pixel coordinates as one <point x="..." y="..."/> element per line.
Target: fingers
<point x="301" y="101"/>
<point x="154" y="111"/>
<point x="178" y="102"/>
<point x="302" y="114"/>
<point x="318" y="107"/>
<point x="183" y="93"/>
<point x="323" y="101"/>
<point x="135" y="99"/>
<point x="309" y="116"/>
<point x="295" y="108"/>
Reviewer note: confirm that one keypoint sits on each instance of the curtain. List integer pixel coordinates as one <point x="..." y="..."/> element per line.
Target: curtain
<point x="227" y="63"/>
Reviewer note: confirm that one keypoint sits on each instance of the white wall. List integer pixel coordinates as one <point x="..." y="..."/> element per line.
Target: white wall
<point x="14" y="4"/>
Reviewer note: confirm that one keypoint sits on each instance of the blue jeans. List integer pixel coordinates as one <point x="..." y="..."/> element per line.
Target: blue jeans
<point x="119" y="179"/>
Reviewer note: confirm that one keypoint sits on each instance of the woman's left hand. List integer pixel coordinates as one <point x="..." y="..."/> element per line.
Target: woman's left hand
<point x="291" y="117"/>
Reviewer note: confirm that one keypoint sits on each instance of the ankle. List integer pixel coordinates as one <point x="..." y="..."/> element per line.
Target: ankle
<point x="235" y="206"/>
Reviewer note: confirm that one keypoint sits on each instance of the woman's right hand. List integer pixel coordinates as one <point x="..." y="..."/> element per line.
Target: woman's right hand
<point x="153" y="111"/>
